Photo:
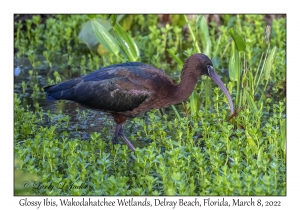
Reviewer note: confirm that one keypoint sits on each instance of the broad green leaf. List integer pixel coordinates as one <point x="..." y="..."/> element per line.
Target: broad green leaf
<point x="87" y="35"/>
<point x="269" y="63"/>
<point x="238" y="39"/>
<point x="105" y="38"/>
<point x="198" y="21"/>
<point x="127" y="43"/>
<point x="204" y="32"/>
<point x="234" y="64"/>
<point x="250" y="101"/>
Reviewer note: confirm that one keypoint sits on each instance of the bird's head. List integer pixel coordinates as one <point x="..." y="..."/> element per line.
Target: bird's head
<point x="204" y="66"/>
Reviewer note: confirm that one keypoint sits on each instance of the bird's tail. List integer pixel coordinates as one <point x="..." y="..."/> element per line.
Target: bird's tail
<point x="48" y="94"/>
<point x="62" y="90"/>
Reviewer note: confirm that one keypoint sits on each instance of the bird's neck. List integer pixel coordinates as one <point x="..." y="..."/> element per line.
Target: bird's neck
<point x="186" y="86"/>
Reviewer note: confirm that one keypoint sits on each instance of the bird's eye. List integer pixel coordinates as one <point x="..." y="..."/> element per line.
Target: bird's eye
<point x="208" y="69"/>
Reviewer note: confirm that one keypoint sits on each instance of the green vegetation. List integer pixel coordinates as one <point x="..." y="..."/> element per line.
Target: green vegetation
<point x="189" y="149"/>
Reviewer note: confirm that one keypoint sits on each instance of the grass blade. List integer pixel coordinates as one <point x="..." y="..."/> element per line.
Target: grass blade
<point x="192" y="34"/>
<point x="175" y="57"/>
<point x="176" y="112"/>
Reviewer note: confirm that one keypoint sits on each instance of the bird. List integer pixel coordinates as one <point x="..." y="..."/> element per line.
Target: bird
<point x="128" y="89"/>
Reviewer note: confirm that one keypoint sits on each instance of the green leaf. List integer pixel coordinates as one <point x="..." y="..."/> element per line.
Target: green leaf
<point x="91" y="16"/>
<point x="198" y="21"/>
<point x="260" y="155"/>
<point x="127" y="43"/>
<point x="113" y="19"/>
<point x="105" y="38"/>
<point x="234" y="65"/>
<point x="172" y="54"/>
<point x="238" y="39"/>
<point x="251" y="143"/>
<point x="178" y="20"/>
<point x="87" y="35"/>
<point x="232" y="68"/>
<point x="283" y="136"/>
<point x="125" y="21"/>
<point x="269" y="63"/>
<point x="176" y="112"/>
<point x="250" y="101"/>
<point x="194" y="102"/>
<point x="193" y="35"/>
<point x="204" y="33"/>
<point x="251" y="82"/>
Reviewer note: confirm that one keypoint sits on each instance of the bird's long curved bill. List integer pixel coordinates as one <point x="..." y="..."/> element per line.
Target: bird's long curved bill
<point x="212" y="74"/>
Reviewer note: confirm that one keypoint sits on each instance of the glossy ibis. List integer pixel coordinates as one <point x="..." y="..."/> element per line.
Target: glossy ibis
<point x="128" y="89"/>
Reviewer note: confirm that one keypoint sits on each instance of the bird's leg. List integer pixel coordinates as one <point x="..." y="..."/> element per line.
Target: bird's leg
<point x="127" y="141"/>
<point x="116" y="134"/>
<point x="119" y="131"/>
<point x="122" y="135"/>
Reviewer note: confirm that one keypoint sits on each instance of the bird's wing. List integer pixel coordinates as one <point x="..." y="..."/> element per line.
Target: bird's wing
<point x="109" y="89"/>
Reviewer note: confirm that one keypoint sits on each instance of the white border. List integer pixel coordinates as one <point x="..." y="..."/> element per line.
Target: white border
<point x="154" y="6"/>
